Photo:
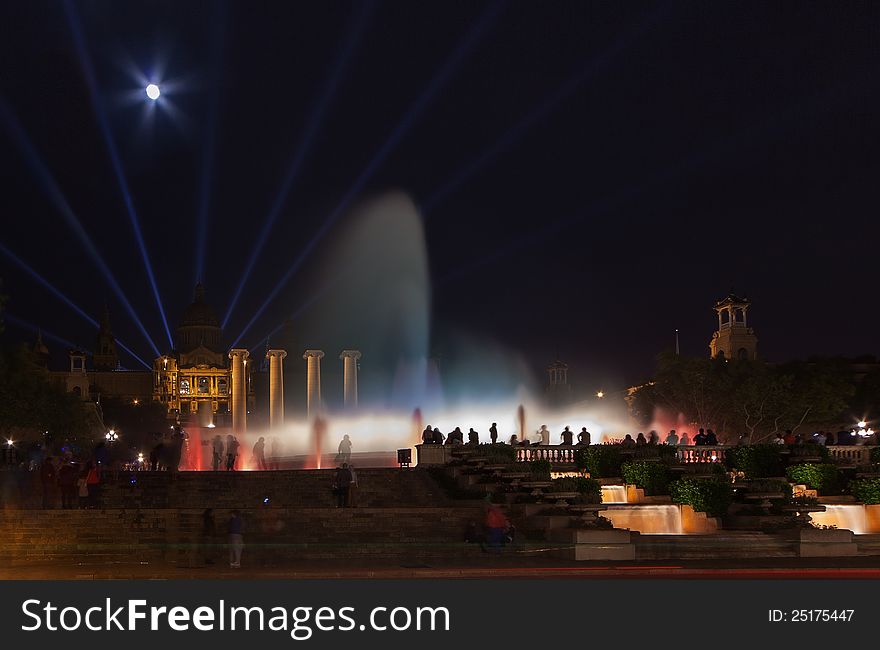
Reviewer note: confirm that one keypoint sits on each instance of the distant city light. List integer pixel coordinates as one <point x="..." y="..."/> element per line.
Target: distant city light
<point x="600" y="394"/>
<point x="9" y="442"/>
<point x="153" y="92"/>
<point x="862" y="424"/>
<point x="112" y="436"/>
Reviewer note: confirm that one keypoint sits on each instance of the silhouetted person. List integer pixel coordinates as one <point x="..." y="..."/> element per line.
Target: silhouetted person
<point x="236" y="539"/>
<point x="653" y="438"/>
<point x="209" y="532"/>
<point x="584" y="437"/>
<point x="438" y="437"/>
<point x="640" y="439"/>
<point x="428" y="436"/>
<point x="155" y="455"/>
<point x="260" y="454"/>
<point x="544" y="432"/>
<point x="216" y="452"/>
<point x="341" y="484"/>
<point x="700" y="438"/>
<point x="711" y="438"/>
<point x="789" y="437"/>
<point x="493" y="433"/>
<point x="672" y="437"/>
<point x="231" y="452"/>
<point x="829" y="438"/>
<point x="67" y="476"/>
<point x="473" y="437"/>
<point x="514" y="440"/>
<point x="628" y="441"/>
<point x="344" y="449"/>
<point x="47" y="479"/>
<point x="567" y="437"/>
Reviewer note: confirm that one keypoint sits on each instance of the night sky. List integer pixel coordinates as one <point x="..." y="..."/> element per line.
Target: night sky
<point x="593" y="174"/>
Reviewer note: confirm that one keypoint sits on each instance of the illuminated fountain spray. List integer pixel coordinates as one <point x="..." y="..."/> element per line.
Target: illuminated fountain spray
<point x="319" y="432"/>
<point x="521" y="417"/>
<point x="418" y="426"/>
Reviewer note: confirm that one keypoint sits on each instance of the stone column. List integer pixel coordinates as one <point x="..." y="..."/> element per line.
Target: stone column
<point x="350" y="377"/>
<point x="276" y="388"/>
<point x="238" y="365"/>
<point x="313" y="381"/>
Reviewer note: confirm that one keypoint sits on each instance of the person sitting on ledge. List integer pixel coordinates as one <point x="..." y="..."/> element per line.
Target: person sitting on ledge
<point x="544" y="432"/>
<point x="789" y="437"/>
<point x="456" y="437"/>
<point x="829" y="438"/>
<point x="514" y="440"/>
<point x="438" y="437"/>
<point x="583" y="437"/>
<point x="525" y="442"/>
<point x="685" y="440"/>
<point x="628" y="441"/>
<point x="567" y="437"/>
<point x="700" y="438"/>
<point x="473" y="437"/>
<point x="711" y="438"/>
<point x="653" y="438"/>
<point x="672" y="438"/>
<point x="428" y="436"/>
<point x="640" y="439"/>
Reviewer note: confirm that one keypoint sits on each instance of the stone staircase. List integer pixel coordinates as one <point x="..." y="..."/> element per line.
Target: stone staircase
<point x="289" y="516"/>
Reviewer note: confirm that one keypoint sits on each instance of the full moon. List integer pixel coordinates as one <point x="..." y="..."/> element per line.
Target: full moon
<point x="153" y="91"/>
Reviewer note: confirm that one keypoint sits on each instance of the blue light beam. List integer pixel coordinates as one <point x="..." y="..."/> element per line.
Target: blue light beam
<point x="593" y="68"/>
<point x="440" y="79"/>
<point x="55" y="291"/>
<point x="60" y="202"/>
<point x="313" y="125"/>
<point x="91" y="82"/>
<point x="209" y="146"/>
<point x="23" y="324"/>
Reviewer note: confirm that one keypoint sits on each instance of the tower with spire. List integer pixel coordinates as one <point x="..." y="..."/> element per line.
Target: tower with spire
<point x="106" y="357"/>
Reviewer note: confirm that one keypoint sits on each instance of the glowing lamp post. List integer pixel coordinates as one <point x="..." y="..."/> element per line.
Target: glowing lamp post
<point x="153" y="91"/>
<point x="112" y="436"/>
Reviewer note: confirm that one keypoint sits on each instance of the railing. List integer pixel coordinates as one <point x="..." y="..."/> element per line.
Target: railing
<point x="701" y="454"/>
<point x="556" y="454"/>
<point x="850" y="455"/>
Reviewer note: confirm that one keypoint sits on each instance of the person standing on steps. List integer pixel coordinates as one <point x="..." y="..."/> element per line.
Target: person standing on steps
<point x="493" y="433"/>
<point x="341" y="485"/>
<point x="231" y="452"/>
<point x="345" y="449"/>
<point x="236" y="539"/>
<point x="260" y="454"/>
<point x="216" y="452"/>
<point x="352" y="488"/>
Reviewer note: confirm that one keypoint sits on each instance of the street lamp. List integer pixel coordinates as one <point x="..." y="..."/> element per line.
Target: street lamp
<point x="112" y="436"/>
<point x="600" y="394"/>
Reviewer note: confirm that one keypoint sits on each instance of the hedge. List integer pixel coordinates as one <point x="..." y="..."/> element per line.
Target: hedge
<point x="825" y="477"/>
<point x="601" y="461"/>
<point x="652" y="477"/>
<point x="712" y="496"/>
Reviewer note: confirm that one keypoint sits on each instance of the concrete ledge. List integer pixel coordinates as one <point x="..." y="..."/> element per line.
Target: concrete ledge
<point x="590" y="536"/>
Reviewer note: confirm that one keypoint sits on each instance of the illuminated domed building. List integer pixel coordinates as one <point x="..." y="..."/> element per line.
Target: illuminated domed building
<point x="196" y="377"/>
<point x="193" y="379"/>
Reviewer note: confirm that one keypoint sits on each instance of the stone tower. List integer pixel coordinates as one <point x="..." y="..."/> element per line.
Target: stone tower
<point x="733" y="339"/>
<point x="558" y="389"/>
<point x="106" y="356"/>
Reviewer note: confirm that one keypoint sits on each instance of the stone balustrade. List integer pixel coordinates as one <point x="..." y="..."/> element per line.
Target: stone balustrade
<point x="556" y="454"/>
<point x="850" y="455"/>
<point x="700" y="454"/>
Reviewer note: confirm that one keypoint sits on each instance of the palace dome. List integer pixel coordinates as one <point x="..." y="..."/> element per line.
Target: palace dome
<point x="199" y="312"/>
